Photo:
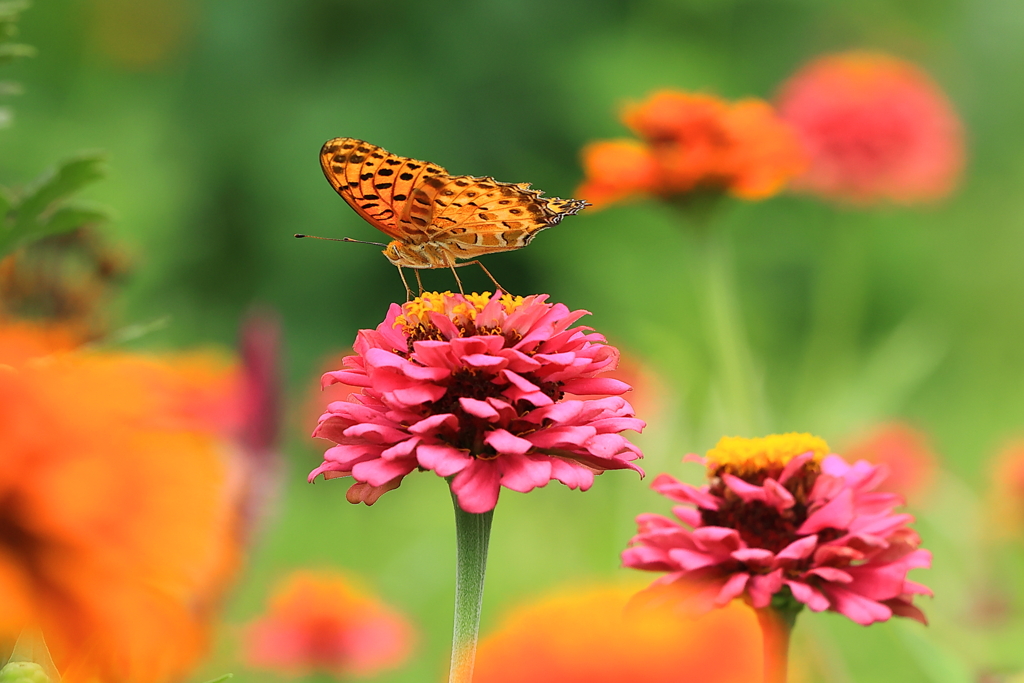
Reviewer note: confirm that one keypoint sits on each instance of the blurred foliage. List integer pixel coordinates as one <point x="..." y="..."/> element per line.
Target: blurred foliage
<point x="10" y="51"/>
<point x="213" y="114"/>
<point x="45" y="207"/>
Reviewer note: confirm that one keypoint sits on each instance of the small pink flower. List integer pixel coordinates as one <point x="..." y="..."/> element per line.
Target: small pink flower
<point x="876" y="128"/>
<point x="473" y="387"/>
<point x="781" y="516"/>
<point x="319" y="622"/>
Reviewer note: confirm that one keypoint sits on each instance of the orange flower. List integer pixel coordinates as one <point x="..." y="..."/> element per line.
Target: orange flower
<point x="117" y="528"/>
<point x="319" y="622"/>
<point x="876" y="128"/>
<point x="694" y="142"/>
<point x="906" y="452"/>
<point x="617" y="169"/>
<point x="589" y="636"/>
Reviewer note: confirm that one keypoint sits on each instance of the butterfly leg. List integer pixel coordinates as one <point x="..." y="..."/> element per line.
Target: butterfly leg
<point x="419" y="282"/>
<point x="457" y="280"/>
<point x="486" y="272"/>
<point x="408" y="292"/>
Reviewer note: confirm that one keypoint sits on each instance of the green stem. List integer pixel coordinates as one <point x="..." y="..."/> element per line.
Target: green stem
<point x="472" y="532"/>
<point x="837" y="310"/>
<point x="727" y="340"/>
<point x="776" y="629"/>
<point x="777" y="620"/>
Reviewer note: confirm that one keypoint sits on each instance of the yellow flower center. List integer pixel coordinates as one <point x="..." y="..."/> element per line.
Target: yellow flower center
<point x="743" y="457"/>
<point x="461" y="309"/>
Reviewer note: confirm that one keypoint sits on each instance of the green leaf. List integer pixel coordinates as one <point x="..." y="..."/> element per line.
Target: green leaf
<point x="11" y="8"/>
<point x="11" y="51"/>
<point x="58" y="184"/>
<point x="6" y="202"/>
<point x="69" y="217"/>
<point x="45" y="210"/>
<point x="10" y="88"/>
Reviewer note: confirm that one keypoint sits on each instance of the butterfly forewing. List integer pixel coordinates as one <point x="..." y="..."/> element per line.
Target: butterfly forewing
<point x="415" y="201"/>
<point x="377" y="184"/>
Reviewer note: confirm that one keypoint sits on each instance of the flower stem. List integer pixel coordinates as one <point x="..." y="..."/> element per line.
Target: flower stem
<point x="776" y="626"/>
<point x="472" y="533"/>
<point x="727" y="338"/>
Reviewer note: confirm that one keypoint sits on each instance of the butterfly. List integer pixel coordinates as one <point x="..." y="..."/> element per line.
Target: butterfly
<point x="435" y="219"/>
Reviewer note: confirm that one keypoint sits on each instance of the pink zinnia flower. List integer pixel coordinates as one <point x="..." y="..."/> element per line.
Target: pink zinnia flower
<point x="781" y="516"/>
<point x="473" y="387"/>
<point x="876" y="128"/>
<point x="320" y="622"/>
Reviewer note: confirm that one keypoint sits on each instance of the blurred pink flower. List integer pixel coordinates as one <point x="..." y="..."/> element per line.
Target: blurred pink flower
<point x="779" y="514"/>
<point x="906" y="452"/>
<point x="473" y="387"/>
<point x="876" y="128"/>
<point x="320" y="623"/>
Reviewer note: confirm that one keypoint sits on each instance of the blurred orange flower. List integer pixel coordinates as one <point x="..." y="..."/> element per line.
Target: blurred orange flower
<point x="117" y="521"/>
<point x="693" y="142"/>
<point x="320" y="622"/>
<point x="907" y="453"/>
<point x="876" y="128"/>
<point x="589" y="636"/>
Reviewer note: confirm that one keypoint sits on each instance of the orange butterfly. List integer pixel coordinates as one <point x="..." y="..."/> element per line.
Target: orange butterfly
<point x="434" y="218"/>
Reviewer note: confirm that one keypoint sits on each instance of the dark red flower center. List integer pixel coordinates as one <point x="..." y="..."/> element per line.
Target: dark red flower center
<point x="761" y="525"/>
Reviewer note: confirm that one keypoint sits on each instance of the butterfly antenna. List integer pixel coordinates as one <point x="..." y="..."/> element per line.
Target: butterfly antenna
<point x="339" y="239"/>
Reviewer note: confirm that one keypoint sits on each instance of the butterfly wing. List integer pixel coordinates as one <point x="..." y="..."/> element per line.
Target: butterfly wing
<point x="474" y="216"/>
<point x="380" y="186"/>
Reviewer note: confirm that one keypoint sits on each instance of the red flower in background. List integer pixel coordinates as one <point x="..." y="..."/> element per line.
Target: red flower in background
<point x="473" y="387"/>
<point x="589" y="636"/>
<point x="693" y="142"/>
<point x="875" y="127"/>
<point x="1007" y="486"/>
<point x="321" y="623"/>
<point x="907" y="455"/>
<point x="780" y="516"/>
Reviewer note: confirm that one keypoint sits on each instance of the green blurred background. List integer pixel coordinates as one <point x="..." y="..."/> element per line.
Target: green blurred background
<point x="213" y="113"/>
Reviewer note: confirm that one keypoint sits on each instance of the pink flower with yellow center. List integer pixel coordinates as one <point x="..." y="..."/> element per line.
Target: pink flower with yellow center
<point x="876" y="128"/>
<point x="474" y="387"/>
<point x="320" y="622"/>
<point x="779" y="515"/>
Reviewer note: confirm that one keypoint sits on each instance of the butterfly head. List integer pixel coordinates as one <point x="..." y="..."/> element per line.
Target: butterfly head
<point x="410" y="255"/>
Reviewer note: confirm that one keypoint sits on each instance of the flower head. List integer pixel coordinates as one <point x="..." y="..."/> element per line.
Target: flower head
<point x="876" y="128"/>
<point x="475" y="387"/>
<point x="694" y="142"/>
<point x="779" y="514"/>
<point x="319" y="622"/>
<point x="589" y="636"/>
<point x="117" y="526"/>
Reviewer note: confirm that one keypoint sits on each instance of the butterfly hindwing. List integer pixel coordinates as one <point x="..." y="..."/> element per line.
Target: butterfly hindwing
<point x="482" y="215"/>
